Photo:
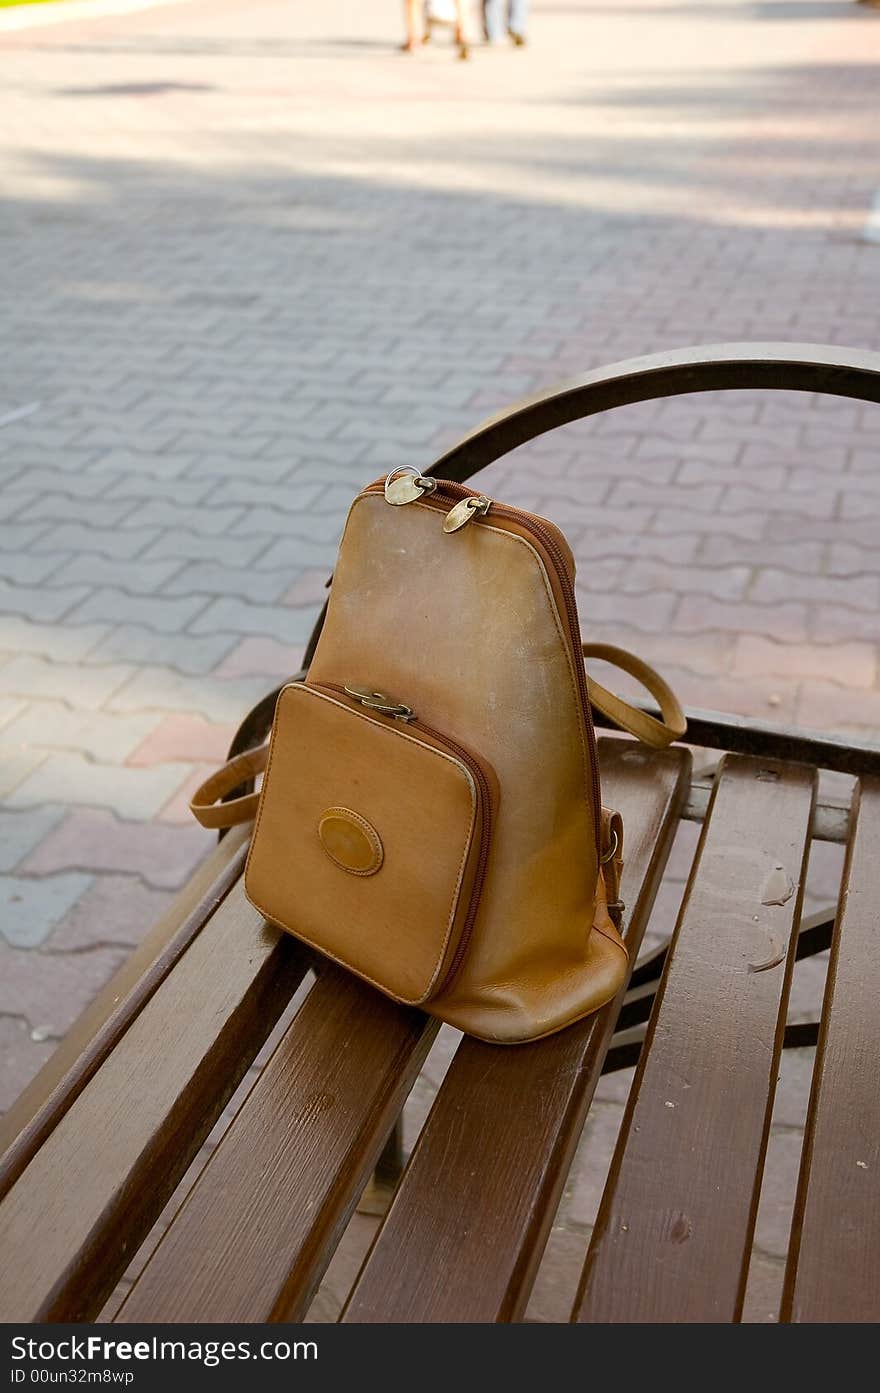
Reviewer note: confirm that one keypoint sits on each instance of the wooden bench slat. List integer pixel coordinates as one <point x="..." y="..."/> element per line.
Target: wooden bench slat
<point x="255" y="1234"/>
<point x="834" y="1260"/>
<point x="466" y="1230"/>
<point x="87" y="1199"/>
<point x="674" y="1232"/>
<point x="46" y="1099"/>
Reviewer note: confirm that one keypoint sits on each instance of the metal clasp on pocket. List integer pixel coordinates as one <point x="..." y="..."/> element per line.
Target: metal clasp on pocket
<point x="377" y="701"/>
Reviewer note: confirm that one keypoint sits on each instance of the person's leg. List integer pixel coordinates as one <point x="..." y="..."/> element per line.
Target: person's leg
<point x="493" y="20"/>
<point x="411" y="19"/>
<point x="461" y="27"/>
<point x="517" y="19"/>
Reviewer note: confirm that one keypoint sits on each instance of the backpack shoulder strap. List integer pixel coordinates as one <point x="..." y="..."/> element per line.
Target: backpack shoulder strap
<point x="671" y="726"/>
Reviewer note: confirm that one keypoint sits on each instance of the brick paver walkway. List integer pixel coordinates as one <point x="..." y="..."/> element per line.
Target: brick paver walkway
<point x="251" y="257"/>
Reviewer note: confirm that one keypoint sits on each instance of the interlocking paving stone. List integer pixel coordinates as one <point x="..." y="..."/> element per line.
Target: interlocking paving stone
<point x="21" y="831"/>
<point x="230" y="615"/>
<point x="114" y="909"/>
<point x="50" y="725"/>
<point x="158" y="612"/>
<point x="190" y="738"/>
<point x="131" y="643"/>
<point x="20" y="1057"/>
<point x="33" y="676"/>
<point x="216" y="579"/>
<point x="135" y="577"/>
<point x="37" y="603"/>
<point x="158" y="689"/>
<point x="10" y="707"/>
<point x="51" y="992"/>
<point x="163" y="857"/>
<point x="75" y="780"/>
<point x="30" y="908"/>
<point x="265" y="656"/>
<point x="65" y="642"/>
<point x="24" y="569"/>
<point x="16" y="766"/>
<point x="95" y="541"/>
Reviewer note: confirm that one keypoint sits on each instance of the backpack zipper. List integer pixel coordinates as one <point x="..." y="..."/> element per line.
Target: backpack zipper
<point x="547" y="535"/>
<point x="485" y="790"/>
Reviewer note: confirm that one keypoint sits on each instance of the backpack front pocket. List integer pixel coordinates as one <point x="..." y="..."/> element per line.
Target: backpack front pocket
<point x="372" y="837"/>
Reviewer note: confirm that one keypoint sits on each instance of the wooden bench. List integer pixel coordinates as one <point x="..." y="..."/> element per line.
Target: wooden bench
<point x="95" y="1147"/>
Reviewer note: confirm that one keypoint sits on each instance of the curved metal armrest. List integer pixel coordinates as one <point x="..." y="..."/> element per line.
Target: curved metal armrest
<point x="840" y="372"/>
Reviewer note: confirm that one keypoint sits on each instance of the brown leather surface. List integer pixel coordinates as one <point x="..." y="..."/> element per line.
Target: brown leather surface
<point x="464" y="627"/>
<point x="350" y="841"/>
<point x="399" y="926"/>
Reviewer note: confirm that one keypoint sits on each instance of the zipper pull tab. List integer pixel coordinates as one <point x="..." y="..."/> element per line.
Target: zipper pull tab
<point x="405" y="485"/>
<point x="377" y="701"/>
<point x="464" y="511"/>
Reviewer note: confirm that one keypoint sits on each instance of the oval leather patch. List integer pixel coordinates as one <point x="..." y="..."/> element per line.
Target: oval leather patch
<point x="350" y="841"/>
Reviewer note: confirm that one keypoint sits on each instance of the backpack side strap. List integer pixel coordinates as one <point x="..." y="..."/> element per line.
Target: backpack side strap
<point x="240" y="770"/>
<point x="671" y="726"/>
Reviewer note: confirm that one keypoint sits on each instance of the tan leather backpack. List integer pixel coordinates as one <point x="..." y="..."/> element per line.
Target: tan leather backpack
<point x="431" y="815"/>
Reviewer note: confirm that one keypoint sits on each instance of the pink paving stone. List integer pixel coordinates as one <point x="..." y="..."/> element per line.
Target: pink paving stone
<point x="184" y="737"/>
<point x="750" y="526"/>
<point x="845" y="559"/>
<point x="831" y="624"/>
<point x="589" y="546"/>
<point x="813" y="502"/>
<point x="310" y="588"/>
<point x="858" y="531"/>
<point x="164" y="856"/>
<point x="787" y="621"/>
<point x="853" y="664"/>
<point x="705" y="653"/>
<point x="826" y="706"/>
<point x="773" y="698"/>
<point x="772" y="586"/>
<point x="51" y="1000"/>
<point x="262" y="656"/>
<point x="115" y="909"/>
<point x="20" y="1057"/>
<point x="721" y="582"/>
<point x="177" y="809"/>
<point x="649" y="613"/>
<point x="793" y="556"/>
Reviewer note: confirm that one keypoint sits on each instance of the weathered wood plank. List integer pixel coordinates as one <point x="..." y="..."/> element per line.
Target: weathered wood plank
<point x="105" y="1020"/>
<point x="674" y="1232"/>
<point x="258" y="1229"/>
<point x="834" y="1263"/>
<point x="465" y="1233"/>
<point x="91" y="1193"/>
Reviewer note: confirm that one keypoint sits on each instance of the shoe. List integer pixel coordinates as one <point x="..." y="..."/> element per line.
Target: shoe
<point x="518" y="40"/>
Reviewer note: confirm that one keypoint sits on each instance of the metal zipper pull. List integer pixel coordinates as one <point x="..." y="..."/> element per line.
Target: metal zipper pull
<point x="464" y="510"/>
<point x="405" y="484"/>
<point x="377" y="701"/>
